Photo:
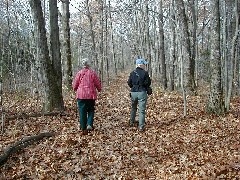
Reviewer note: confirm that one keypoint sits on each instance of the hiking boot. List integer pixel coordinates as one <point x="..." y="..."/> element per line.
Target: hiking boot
<point x="84" y="132"/>
<point x="89" y="128"/>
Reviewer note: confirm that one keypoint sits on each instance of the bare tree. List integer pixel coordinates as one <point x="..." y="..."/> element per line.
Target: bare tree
<point x="236" y="77"/>
<point x="92" y="34"/>
<point x="67" y="56"/>
<point x="193" y="4"/>
<point x="55" y="47"/>
<point x="233" y="55"/>
<point x="162" y="48"/>
<point x="215" y="102"/>
<point x="189" y="62"/>
<point x="112" y="40"/>
<point x="101" y="44"/>
<point x="147" y="51"/>
<point x="1" y="84"/>
<point x="106" y="40"/>
<point x="52" y="95"/>
<point x="172" y="46"/>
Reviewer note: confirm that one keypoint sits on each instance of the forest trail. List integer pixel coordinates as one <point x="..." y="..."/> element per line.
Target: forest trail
<point x="199" y="146"/>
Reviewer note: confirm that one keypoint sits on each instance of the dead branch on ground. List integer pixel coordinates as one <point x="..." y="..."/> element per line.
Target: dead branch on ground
<point x="22" y="144"/>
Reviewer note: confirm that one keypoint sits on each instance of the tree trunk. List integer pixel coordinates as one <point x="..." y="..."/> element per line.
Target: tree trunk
<point x="194" y="37"/>
<point x="172" y="47"/>
<point x="147" y="38"/>
<point x="55" y="49"/>
<point x="189" y="63"/>
<point x="155" y="47"/>
<point x="67" y="58"/>
<point x="92" y="34"/>
<point x="236" y="48"/>
<point x="162" y="48"/>
<point x="101" y="44"/>
<point x="215" y="102"/>
<point x="233" y="59"/>
<point x="1" y="85"/>
<point x="52" y="92"/>
<point x="106" y="45"/>
<point x="112" y="40"/>
<point x="225" y="51"/>
<point x="182" y="85"/>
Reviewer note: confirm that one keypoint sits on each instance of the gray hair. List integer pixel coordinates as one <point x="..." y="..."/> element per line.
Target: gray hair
<point x="86" y="62"/>
<point x="140" y="65"/>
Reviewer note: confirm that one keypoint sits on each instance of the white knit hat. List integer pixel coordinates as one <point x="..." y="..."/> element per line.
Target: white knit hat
<point x="86" y="62"/>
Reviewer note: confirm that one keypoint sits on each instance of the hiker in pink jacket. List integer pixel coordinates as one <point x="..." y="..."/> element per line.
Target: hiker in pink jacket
<point x="86" y="84"/>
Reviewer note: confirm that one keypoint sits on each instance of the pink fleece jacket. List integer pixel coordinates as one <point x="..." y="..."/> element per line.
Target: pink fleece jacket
<point x="85" y="83"/>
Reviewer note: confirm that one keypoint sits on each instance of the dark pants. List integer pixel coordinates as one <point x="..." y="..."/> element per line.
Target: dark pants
<point x="86" y="112"/>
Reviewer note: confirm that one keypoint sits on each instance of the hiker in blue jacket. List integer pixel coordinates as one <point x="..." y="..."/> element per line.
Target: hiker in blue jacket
<point x="139" y="81"/>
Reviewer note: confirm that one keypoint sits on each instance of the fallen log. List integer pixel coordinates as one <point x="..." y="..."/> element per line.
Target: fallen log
<point x="25" y="115"/>
<point x="22" y="144"/>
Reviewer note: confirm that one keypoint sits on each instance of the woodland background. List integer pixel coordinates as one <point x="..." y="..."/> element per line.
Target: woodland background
<point x="192" y="119"/>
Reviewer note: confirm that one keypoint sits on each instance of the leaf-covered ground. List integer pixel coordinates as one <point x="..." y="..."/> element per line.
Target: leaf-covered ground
<point x="199" y="146"/>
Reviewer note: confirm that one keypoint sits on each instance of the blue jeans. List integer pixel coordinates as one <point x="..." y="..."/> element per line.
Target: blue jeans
<point x="86" y="112"/>
<point x="138" y="98"/>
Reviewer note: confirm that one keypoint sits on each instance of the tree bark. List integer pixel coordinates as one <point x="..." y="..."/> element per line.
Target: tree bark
<point x="172" y="47"/>
<point x="102" y="56"/>
<point x="233" y="59"/>
<point x="194" y="38"/>
<point x="189" y="63"/>
<point x="67" y="58"/>
<point x="106" y="45"/>
<point x="147" y="38"/>
<point x="92" y="34"/>
<point x="52" y="93"/>
<point x="215" y="102"/>
<point x="112" y="40"/>
<point x="162" y="48"/>
<point x="1" y="85"/>
<point x="55" y="49"/>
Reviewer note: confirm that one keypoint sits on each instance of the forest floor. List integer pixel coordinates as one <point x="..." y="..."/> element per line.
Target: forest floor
<point x="199" y="146"/>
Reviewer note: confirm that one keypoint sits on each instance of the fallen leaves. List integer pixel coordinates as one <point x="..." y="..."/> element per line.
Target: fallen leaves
<point x="199" y="146"/>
